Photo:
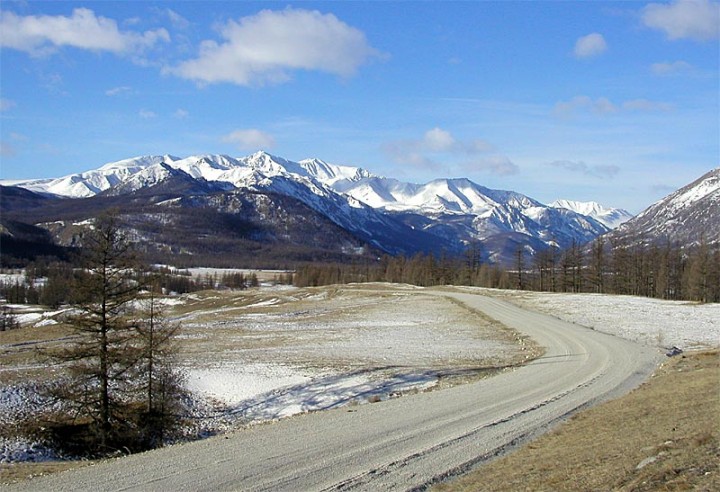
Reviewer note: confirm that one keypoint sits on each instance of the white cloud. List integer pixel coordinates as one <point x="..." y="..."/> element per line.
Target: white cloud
<point x="671" y="68"/>
<point x="685" y="19"/>
<point x="6" y="104"/>
<point x="590" y="45"/>
<point x="116" y="91"/>
<point x="147" y="114"/>
<point x="438" y="140"/>
<point x="266" y="47"/>
<point x="250" y="139"/>
<point x="44" y="34"/>
<point x="597" y="171"/>
<point x="181" y="114"/>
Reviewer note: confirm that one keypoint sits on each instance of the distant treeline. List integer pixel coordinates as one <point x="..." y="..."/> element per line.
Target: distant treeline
<point x="664" y="271"/>
<point x="53" y="283"/>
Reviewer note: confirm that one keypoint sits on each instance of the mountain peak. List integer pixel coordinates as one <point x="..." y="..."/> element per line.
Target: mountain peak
<point x="610" y="217"/>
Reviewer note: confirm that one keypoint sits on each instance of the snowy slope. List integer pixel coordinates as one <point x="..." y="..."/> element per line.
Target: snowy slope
<point x="610" y="217"/>
<point x="91" y="183"/>
<point x="687" y="216"/>
<point x="474" y="212"/>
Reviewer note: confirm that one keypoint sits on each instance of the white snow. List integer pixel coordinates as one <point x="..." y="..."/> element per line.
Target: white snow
<point x="610" y="217"/>
<point x="233" y="383"/>
<point x="687" y="196"/>
<point x="652" y="322"/>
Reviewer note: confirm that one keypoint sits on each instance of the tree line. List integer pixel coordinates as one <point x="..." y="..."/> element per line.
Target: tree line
<point x="49" y="282"/>
<point x="660" y="270"/>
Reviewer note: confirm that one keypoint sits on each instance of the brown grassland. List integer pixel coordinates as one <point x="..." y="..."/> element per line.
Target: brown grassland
<point x="665" y="435"/>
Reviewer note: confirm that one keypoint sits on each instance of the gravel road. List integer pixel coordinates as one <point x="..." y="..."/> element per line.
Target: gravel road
<point x="401" y="444"/>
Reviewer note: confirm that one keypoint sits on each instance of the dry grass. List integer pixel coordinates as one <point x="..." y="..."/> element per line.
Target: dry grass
<point x="19" y="360"/>
<point x="15" y="472"/>
<point x="663" y="436"/>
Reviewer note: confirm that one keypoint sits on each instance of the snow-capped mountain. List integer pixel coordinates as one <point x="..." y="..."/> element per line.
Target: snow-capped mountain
<point x="610" y="217"/>
<point x="442" y="215"/>
<point x="686" y="217"/>
<point x="463" y="209"/>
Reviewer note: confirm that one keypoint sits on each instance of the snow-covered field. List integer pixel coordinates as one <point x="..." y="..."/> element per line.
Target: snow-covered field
<point x="273" y="353"/>
<point x="270" y="353"/>
<point x="652" y="322"/>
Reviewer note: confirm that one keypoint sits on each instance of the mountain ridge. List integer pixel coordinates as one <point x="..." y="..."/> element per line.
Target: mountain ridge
<point x="610" y="217"/>
<point x="455" y="212"/>
<point x="687" y="216"/>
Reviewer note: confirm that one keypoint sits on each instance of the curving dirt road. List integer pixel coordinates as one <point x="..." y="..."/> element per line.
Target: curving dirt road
<point x="401" y="444"/>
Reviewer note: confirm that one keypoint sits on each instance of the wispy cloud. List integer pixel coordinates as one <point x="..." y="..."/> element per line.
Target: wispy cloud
<point x="437" y="147"/>
<point x="597" y="171"/>
<point x="117" y="91"/>
<point x="591" y="45"/>
<point x="45" y="34"/>
<point x="684" y="19"/>
<point x="146" y="114"/>
<point x="671" y="68"/>
<point x="177" y="20"/>
<point x="603" y="105"/>
<point x="265" y="49"/>
<point x="180" y="114"/>
<point x="497" y="164"/>
<point x="250" y="139"/>
<point x="646" y="105"/>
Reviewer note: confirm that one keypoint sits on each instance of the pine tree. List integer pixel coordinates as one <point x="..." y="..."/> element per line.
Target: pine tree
<point x="101" y="359"/>
<point x="107" y="363"/>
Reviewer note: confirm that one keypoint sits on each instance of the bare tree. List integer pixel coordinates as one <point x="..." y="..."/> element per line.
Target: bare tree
<point x="597" y="268"/>
<point x="161" y="383"/>
<point x="520" y="266"/>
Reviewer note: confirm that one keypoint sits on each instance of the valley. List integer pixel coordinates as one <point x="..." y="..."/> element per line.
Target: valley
<point x="272" y="353"/>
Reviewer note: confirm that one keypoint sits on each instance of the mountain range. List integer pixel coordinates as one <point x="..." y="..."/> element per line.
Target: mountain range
<point x="307" y="210"/>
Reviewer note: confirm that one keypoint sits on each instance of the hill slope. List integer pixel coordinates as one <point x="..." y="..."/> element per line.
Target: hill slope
<point x="686" y="216"/>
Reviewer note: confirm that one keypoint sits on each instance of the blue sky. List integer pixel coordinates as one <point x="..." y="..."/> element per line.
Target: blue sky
<point x="616" y="102"/>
